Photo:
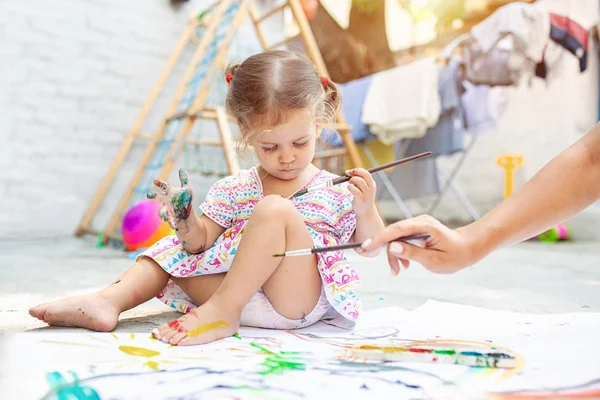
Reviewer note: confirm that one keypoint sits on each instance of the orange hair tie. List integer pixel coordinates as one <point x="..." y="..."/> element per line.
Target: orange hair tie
<point x="324" y="81"/>
<point x="228" y="77"/>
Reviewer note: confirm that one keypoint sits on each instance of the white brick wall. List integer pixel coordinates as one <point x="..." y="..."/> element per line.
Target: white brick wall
<point x="73" y="77"/>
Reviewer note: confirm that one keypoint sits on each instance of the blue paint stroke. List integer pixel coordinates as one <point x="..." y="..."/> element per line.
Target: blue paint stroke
<point x="70" y="390"/>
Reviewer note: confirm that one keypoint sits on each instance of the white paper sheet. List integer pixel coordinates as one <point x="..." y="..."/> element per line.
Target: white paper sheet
<point x="557" y="351"/>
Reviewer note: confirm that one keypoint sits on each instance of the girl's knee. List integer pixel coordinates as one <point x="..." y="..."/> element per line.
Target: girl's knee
<point x="273" y="206"/>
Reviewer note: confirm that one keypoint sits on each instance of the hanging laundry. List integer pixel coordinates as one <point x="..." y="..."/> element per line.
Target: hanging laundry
<point x="529" y="24"/>
<point x="500" y="66"/>
<point x="570" y="35"/>
<point x="448" y="135"/>
<point x="483" y="106"/>
<point x="413" y="180"/>
<point x="353" y="99"/>
<point x="403" y="102"/>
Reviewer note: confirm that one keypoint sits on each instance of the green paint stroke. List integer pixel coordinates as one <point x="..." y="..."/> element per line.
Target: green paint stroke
<point x="70" y="390"/>
<point x="276" y="364"/>
<point x="280" y="362"/>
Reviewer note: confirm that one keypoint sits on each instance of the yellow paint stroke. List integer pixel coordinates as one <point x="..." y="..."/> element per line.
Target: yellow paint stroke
<point x="138" y="351"/>
<point x="70" y="343"/>
<point x="113" y="335"/>
<point x="152" y="365"/>
<point x="207" y="327"/>
<point x="132" y="336"/>
<point x="96" y="338"/>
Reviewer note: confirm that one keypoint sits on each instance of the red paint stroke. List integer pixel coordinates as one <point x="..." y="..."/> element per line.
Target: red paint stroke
<point x="420" y="350"/>
<point x="176" y="326"/>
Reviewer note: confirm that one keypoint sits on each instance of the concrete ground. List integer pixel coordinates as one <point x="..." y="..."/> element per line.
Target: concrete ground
<point x="529" y="277"/>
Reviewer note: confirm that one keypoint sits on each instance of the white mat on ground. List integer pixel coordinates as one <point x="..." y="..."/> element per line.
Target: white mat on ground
<point x="556" y="352"/>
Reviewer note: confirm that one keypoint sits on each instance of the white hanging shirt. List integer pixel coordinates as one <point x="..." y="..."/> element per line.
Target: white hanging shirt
<point x="403" y="102"/>
<point x="528" y="23"/>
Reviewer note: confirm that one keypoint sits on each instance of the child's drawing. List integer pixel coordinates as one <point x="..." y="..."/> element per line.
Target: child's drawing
<point x="312" y="363"/>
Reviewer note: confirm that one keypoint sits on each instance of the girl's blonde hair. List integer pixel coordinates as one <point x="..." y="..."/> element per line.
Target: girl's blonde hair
<point x="267" y="86"/>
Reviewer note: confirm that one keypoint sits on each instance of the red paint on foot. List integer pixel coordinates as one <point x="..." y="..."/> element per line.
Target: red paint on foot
<point x="174" y="324"/>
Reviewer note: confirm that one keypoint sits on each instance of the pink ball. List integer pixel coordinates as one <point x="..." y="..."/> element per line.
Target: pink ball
<point x="142" y="226"/>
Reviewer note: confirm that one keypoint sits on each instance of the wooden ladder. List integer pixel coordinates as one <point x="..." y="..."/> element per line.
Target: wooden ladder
<point x="163" y="148"/>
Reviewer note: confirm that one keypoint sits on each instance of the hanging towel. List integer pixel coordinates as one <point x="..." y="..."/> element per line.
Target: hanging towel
<point x="403" y="102"/>
<point x="570" y="35"/>
<point x="448" y="135"/>
<point x="528" y="23"/>
<point x="483" y="105"/>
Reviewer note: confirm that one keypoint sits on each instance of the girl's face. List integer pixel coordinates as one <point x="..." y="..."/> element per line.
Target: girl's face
<point x="287" y="150"/>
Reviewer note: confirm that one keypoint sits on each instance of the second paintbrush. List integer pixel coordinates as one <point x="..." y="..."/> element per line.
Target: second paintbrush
<point x="305" y="252"/>
<point x="343" y="179"/>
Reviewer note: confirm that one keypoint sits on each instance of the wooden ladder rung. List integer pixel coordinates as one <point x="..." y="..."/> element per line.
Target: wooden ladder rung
<point x="338" y="126"/>
<point x="330" y="153"/>
<point x="178" y="115"/>
<point x="270" y="13"/>
<point x="284" y="41"/>
<point x="204" y="142"/>
<point x="199" y="142"/>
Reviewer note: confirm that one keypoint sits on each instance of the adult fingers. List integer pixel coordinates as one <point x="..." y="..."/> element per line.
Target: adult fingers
<point x="426" y="257"/>
<point x="413" y="226"/>
<point x="394" y="263"/>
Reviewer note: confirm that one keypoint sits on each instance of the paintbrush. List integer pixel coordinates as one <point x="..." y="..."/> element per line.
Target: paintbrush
<point x="346" y="178"/>
<point x="305" y="252"/>
<point x="475" y="357"/>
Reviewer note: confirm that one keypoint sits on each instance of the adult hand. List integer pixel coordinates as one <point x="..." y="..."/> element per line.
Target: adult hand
<point x="446" y="251"/>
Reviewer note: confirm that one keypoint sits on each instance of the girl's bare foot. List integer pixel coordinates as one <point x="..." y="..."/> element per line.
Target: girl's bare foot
<point x="90" y="311"/>
<point x="205" y="324"/>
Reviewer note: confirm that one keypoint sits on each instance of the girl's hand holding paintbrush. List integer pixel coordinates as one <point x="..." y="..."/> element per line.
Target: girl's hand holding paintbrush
<point x="368" y="222"/>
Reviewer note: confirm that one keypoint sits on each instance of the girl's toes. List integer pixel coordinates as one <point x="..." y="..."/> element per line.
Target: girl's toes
<point x="167" y="336"/>
<point x="175" y="339"/>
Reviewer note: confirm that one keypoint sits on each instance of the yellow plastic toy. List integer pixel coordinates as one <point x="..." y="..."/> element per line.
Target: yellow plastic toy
<point x="510" y="163"/>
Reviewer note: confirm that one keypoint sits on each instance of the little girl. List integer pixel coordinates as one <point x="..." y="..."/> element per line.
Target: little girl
<point x="219" y="269"/>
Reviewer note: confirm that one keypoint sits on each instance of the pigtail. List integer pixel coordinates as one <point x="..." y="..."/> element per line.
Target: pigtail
<point x="333" y="98"/>
<point x="230" y="72"/>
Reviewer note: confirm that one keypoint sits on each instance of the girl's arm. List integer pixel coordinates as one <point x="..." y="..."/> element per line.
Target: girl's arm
<point x="197" y="234"/>
<point x="368" y="221"/>
<point x="368" y="224"/>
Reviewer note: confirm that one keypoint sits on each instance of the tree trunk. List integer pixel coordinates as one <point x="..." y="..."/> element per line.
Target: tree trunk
<point x="367" y="24"/>
<point x="344" y="55"/>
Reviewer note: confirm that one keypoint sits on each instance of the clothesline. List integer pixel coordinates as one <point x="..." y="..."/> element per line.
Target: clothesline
<point x="424" y="106"/>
